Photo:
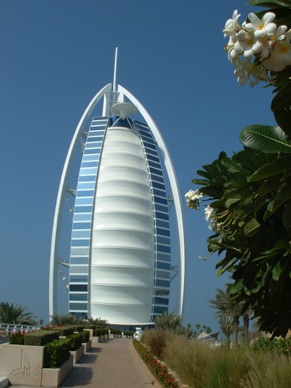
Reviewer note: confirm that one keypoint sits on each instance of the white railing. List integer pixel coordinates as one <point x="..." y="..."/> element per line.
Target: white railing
<point x="12" y="328"/>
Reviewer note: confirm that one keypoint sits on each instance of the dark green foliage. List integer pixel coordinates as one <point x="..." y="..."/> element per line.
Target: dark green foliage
<point x="16" y="338"/>
<point x="10" y="313"/>
<point x="65" y="330"/>
<point x="40" y="338"/>
<point x="77" y="328"/>
<point x="92" y="327"/>
<point x="277" y="346"/>
<point x="100" y="331"/>
<point x="85" y="336"/>
<point x="128" y="333"/>
<point x="168" y="321"/>
<point x="75" y="340"/>
<point x="56" y="353"/>
<point x="251" y="195"/>
<point x="65" y="320"/>
<point x="98" y="322"/>
<point x="115" y="331"/>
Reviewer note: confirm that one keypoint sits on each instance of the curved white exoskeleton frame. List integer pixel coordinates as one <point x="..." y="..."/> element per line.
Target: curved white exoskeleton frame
<point x="110" y="96"/>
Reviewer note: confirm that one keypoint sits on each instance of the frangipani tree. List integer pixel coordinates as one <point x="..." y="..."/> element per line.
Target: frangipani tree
<point x="249" y="194"/>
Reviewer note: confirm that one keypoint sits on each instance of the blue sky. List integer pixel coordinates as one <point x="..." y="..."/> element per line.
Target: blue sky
<point x="55" y="56"/>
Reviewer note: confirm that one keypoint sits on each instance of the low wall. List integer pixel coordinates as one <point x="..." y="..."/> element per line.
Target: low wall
<point x="22" y="364"/>
<point x="77" y="354"/>
<point x="53" y="377"/>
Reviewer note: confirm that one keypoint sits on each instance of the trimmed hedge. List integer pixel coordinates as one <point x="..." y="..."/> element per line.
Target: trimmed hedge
<point x="75" y="341"/>
<point x="128" y="333"/>
<point x="16" y="338"/>
<point x="56" y="353"/>
<point x="85" y="335"/>
<point x="77" y="328"/>
<point x="64" y="331"/>
<point x="100" y="331"/>
<point x="40" y="338"/>
<point x="115" y="331"/>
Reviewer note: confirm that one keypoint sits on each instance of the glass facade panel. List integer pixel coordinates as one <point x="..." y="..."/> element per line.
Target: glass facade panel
<point x="79" y="260"/>
<point x="161" y="221"/>
<point x="161" y="265"/>
<point x="82" y="219"/>
<point x="78" y="287"/>
<point x="81" y="225"/>
<point x="80" y="243"/>
<point x="84" y="201"/>
<point x="77" y="297"/>
<point x="78" y="306"/>
<point x="90" y="157"/>
<point x="77" y="251"/>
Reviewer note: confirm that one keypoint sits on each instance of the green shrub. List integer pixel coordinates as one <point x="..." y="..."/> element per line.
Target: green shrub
<point x="156" y="340"/>
<point x="100" y="331"/>
<point x="16" y="338"/>
<point x="85" y="335"/>
<point x="65" y="330"/>
<point x="128" y="333"/>
<point x="115" y="331"/>
<point x="278" y="346"/>
<point x="40" y="338"/>
<point x="75" y="340"/>
<point x="56" y="353"/>
<point x="77" y="328"/>
<point x="158" y="370"/>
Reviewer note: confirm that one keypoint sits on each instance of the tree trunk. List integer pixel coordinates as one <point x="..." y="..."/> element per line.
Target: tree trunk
<point x="246" y="320"/>
<point x="235" y="330"/>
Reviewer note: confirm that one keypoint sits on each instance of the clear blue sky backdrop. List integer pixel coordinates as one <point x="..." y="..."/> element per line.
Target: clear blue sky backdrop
<point x="55" y="56"/>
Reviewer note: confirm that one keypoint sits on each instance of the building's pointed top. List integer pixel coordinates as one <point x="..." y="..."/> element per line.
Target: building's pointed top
<point x="114" y="87"/>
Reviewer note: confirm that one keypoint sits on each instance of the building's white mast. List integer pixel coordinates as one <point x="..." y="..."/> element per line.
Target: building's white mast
<point x="114" y="89"/>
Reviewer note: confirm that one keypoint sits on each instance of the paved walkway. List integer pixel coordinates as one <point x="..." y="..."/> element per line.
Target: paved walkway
<point x="111" y="364"/>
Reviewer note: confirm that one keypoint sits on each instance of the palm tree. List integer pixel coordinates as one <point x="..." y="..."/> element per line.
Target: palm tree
<point x="10" y="313"/>
<point x="225" y="306"/>
<point x="65" y="319"/>
<point x="97" y="322"/>
<point x="226" y="325"/>
<point x="168" y="321"/>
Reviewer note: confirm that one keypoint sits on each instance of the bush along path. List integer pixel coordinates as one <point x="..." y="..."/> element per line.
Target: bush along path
<point x="159" y="370"/>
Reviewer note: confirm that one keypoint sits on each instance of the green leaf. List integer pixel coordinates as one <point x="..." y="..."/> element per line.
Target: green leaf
<point x="286" y="219"/>
<point x="265" y="138"/>
<point x="282" y="196"/>
<point x="281" y="105"/>
<point x="268" y="186"/>
<point x="236" y="287"/>
<point x="251" y="227"/>
<point x="270" y="4"/>
<point x="276" y="271"/>
<point x="269" y="170"/>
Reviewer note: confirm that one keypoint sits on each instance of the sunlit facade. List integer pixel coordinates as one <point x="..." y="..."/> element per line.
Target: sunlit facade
<point x="120" y="265"/>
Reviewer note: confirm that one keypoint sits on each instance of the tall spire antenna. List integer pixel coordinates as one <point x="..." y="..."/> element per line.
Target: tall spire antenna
<point x="115" y="70"/>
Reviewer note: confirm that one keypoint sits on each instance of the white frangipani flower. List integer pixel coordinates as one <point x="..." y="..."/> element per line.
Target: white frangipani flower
<point x="216" y="227"/>
<point x="193" y="199"/>
<point x="242" y="71"/>
<point x="232" y="25"/>
<point x="257" y="47"/>
<point x="209" y="212"/>
<point x="245" y="43"/>
<point x="281" y="54"/>
<point x="261" y="27"/>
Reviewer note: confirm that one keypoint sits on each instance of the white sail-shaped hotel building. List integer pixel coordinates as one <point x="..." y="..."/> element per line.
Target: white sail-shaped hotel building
<point x="120" y="265"/>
